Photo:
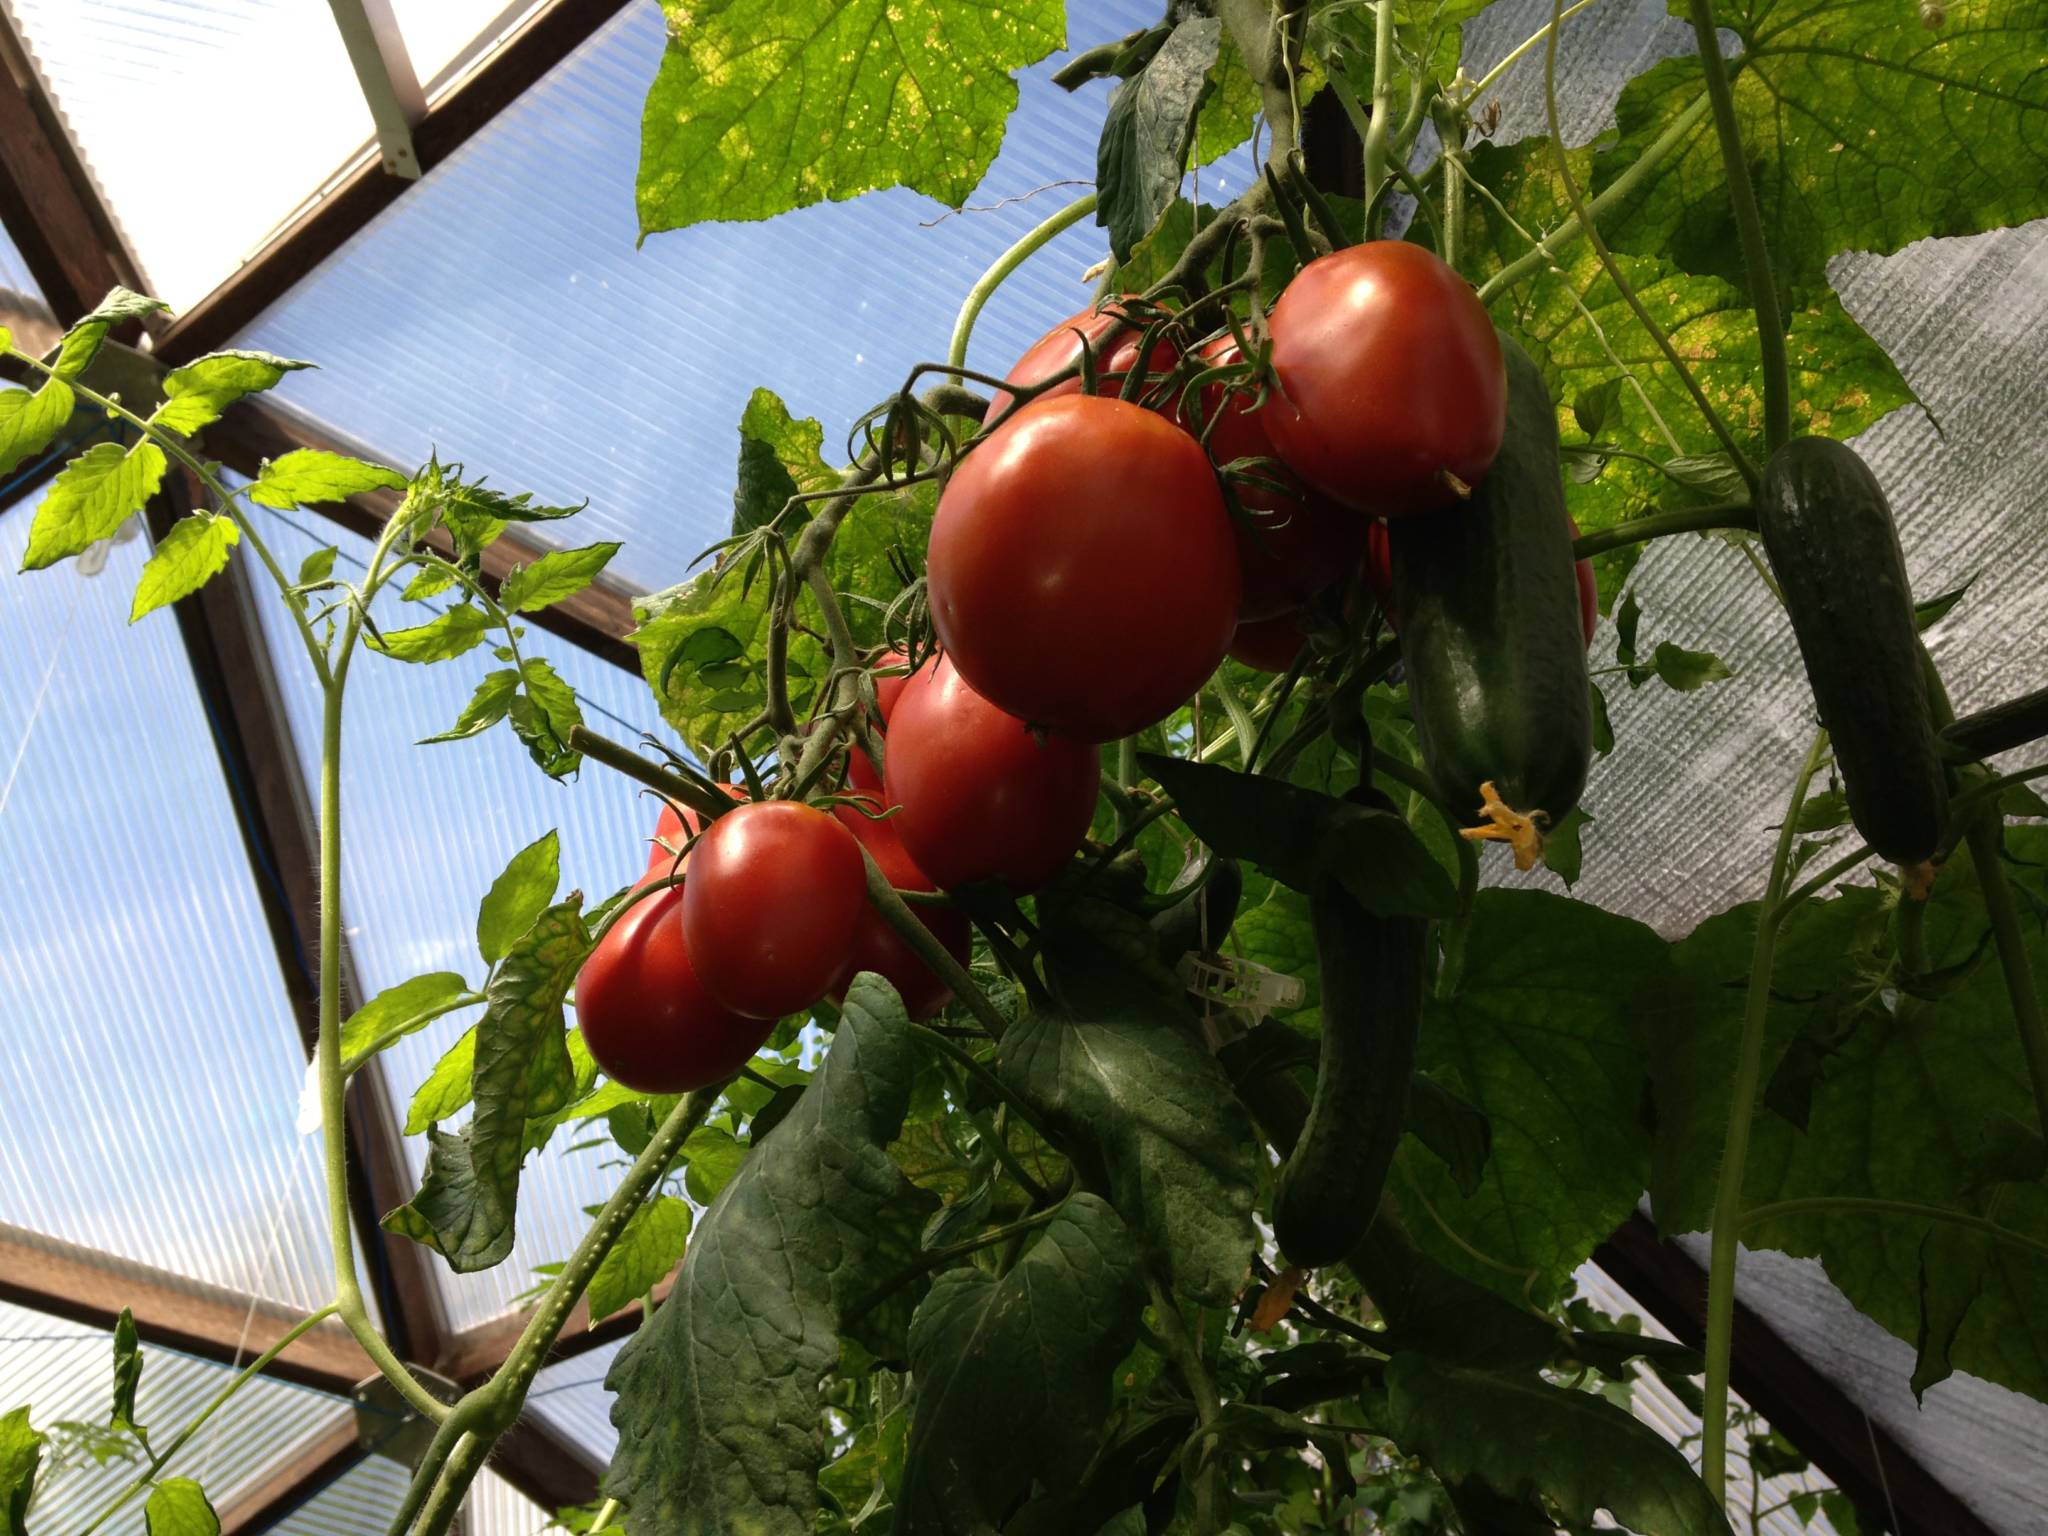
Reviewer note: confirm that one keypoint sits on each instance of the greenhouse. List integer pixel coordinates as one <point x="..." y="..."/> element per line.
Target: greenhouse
<point x="1100" y="769"/>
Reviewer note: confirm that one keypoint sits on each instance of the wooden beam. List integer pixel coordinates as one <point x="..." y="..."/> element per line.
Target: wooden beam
<point x="474" y="1353"/>
<point x="549" y="36"/>
<point x="298" y="1478"/>
<point x="1856" y="1452"/>
<point x="171" y="1311"/>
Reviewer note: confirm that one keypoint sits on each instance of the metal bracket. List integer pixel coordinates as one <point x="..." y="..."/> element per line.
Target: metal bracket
<point x="386" y="1425"/>
<point x="384" y="70"/>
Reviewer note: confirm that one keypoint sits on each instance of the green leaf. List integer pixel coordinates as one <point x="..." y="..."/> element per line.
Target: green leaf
<point x="1603" y="727"/>
<point x="93" y="495"/>
<point x="29" y="422"/>
<point x="718" y="1402"/>
<point x="21" y="1452"/>
<point x="1687" y="670"/>
<point x="650" y="1246"/>
<point x="447" y="1087"/>
<point x="1459" y="1135"/>
<point x="711" y="1158"/>
<point x="1143" y="1102"/>
<point x="1144" y="148"/>
<point x="486" y="707"/>
<point x="1521" y="1437"/>
<point x="177" y="1507"/>
<point x="1823" y="812"/>
<point x="770" y="442"/>
<point x="466" y="1200"/>
<point x="309" y="476"/>
<point x="1593" y="406"/>
<point x="462" y="628"/>
<point x="317" y="566"/>
<point x="1562" y="853"/>
<point x="518" y="896"/>
<point x="197" y="394"/>
<point x="1865" y="130"/>
<point x="1013" y="1374"/>
<point x="127" y="1375"/>
<point x="554" y="576"/>
<point x="543" y="714"/>
<point x="763" y="105"/>
<point x="1931" y="612"/>
<point x="82" y="341"/>
<point x="190" y="555"/>
<point x="397" y="1012"/>
<point x="1542" y="1037"/>
<point x="1953" y="1263"/>
<point x="1296" y="835"/>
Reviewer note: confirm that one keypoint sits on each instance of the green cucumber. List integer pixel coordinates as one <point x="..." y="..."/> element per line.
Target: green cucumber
<point x="1491" y="637"/>
<point x="1835" y="551"/>
<point x="1999" y="728"/>
<point x="1373" y="984"/>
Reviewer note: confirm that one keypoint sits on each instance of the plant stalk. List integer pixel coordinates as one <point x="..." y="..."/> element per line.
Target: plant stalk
<point x="1639" y="530"/>
<point x="926" y="946"/>
<point x="1000" y="269"/>
<point x="1382" y="97"/>
<point x="1987" y="840"/>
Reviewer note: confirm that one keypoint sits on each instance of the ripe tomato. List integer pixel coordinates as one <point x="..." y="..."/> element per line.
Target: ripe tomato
<point x="677" y="825"/>
<point x="892" y="671"/>
<point x="983" y="796"/>
<point x="1082" y="571"/>
<point x="1269" y="645"/>
<point x="1390" y="378"/>
<point x="876" y="946"/>
<point x="647" y="1019"/>
<point x="1299" y="541"/>
<point x="1589" y="592"/>
<point x="775" y="889"/>
<point x="1379" y="571"/>
<point x="1113" y="335"/>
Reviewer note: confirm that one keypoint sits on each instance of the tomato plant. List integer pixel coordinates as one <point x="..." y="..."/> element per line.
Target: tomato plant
<point x="1113" y="334"/>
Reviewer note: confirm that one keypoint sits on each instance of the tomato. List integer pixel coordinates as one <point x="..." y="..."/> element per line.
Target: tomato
<point x="1379" y="571"/>
<point x="1390" y="378"/>
<point x="647" y="1019"/>
<point x="891" y="671"/>
<point x="1060" y="348"/>
<point x="1269" y="645"/>
<point x="984" y="797"/>
<point x="774" y="892"/>
<point x="677" y="825"/>
<point x="1298" y="541"/>
<point x="1082" y="572"/>
<point x="877" y="947"/>
<point x="1589" y="592"/>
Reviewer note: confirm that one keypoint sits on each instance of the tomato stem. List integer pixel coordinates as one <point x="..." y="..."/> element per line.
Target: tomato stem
<point x="623" y="759"/>
<point x="1186" y="1356"/>
<point x="1382" y="99"/>
<point x="927" y="947"/>
<point x="1487" y="81"/>
<point x="1023" y="250"/>
<point x="1658" y="525"/>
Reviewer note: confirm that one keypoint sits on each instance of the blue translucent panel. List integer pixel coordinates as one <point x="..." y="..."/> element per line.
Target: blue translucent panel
<point x="149" y="1061"/>
<point x="366" y="1498"/>
<point x="427" y="829"/>
<point x="64" y="1374"/>
<point x="499" y="313"/>
<point x="572" y="1397"/>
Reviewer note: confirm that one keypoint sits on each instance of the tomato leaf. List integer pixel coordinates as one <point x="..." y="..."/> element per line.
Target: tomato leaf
<point x="397" y="1012"/>
<point x="711" y="1157"/>
<point x="21" y="1453"/>
<point x="28" y="422"/>
<point x="92" y="497"/>
<point x="462" y="628"/>
<point x="447" y="1087"/>
<point x="718" y="1396"/>
<point x="82" y="341"/>
<point x="486" y="707"/>
<point x="1144" y="148"/>
<point x="178" y="1507"/>
<point x="189" y="556"/>
<point x="1521" y="1436"/>
<point x="1060" y="1320"/>
<point x="308" y="476"/>
<point x="1687" y="670"/>
<point x="197" y="394"/>
<point x="127" y="1376"/>
<point x="916" y="93"/>
<point x="557" y="575"/>
<point x="770" y="442"/>
<point x="543" y="714"/>
<point x="518" y="896"/>
<point x="651" y="1245"/>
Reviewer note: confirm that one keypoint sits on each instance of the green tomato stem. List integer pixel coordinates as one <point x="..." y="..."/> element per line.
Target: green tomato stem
<point x="460" y="1470"/>
<point x="1000" y="269"/>
<point x="926" y="946"/>
<point x="1491" y="78"/>
<point x="1639" y="530"/>
<point x="1382" y="97"/>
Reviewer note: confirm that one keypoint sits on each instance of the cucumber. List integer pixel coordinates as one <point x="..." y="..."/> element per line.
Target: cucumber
<point x="1835" y="552"/>
<point x="1212" y="885"/>
<point x="1491" y="637"/>
<point x="1999" y="728"/>
<point x="1373" y="985"/>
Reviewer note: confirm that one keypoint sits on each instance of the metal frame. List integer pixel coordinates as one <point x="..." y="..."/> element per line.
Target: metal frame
<point x="376" y="48"/>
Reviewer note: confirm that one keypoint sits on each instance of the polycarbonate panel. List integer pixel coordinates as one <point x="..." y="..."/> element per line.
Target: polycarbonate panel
<point x="149" y="1061"/>
<point x="496" y="1508"/>
<point x="363" y="1499"/>
<point x="264" y="86"/>
<point x="428" y="829"/>
<point x="443" y="38"/>
<point x="64" y="1374"/>
<point x="525" y="335"/>
<point x="571" y="1396"/>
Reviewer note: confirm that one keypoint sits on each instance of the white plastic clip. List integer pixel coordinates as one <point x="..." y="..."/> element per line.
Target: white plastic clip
<point x="1244" y="986"/>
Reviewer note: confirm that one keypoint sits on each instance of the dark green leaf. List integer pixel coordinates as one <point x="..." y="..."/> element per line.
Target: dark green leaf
<point x="1686" y="670"/>
<point x="1521" y="1436"/>
<point x="1626" y="623"/>
<point x="466" y="1200"/>
<point x="1712" y="474"/>
<point x="127" y="1375"/>
<point x="190" y="555"/>
<point x="93" y="495"/>
<point x="718" y="1406"/>
<point x="1593" y="407"/>
<point x="1144" y="147"/>
<point x="1014" y="1374"/>
<point x="560" y="574"/>
<point x="462" y="628"/>
<point x="398" y="1011"/>
<point x="1143" y="1101"/>
<point x="651" y="1245"/>
<point x="196" y="394"/>
<point x="1823" y="812"/>
<point x="770" y="441"/>
<point x="1931" y="612"/>
<point x="518" y="896"/>
<point x="309" y="476"/>
<point x="543" y="715"/>
<point x="1562" y="854"/>
<point x="177" y="1507"/>
<point x="486" y="707"/>
<point x="1953" y="1263"/>
<point x="766" y="105"/>
<point x="1459" y="1135"/>
<point x="21" y="1452"/>
<point x="29" y="422"/>
<point x="1603" y="727"/>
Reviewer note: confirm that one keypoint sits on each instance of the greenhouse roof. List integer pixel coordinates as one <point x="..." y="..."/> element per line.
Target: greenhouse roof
<point x="432" y="200"/>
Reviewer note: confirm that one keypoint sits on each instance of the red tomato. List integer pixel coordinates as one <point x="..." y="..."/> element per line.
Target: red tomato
<point x="646" y="1017"/>
<point x="1060" y="348"/>
<point x="677" y="825"/>
<point x="861" y="777"/>
<point x="1082" y="571"/>
<point x="984" y="797"/>
<point x="1390" y="379"/>
<point x="1270" y="645"/>
<point x="775" y="889"/>
<point x="1379" y="571"/>
<point x="1299" y="542"/>
<point x="876" y="946"/>
<point x="1589" y="592"/>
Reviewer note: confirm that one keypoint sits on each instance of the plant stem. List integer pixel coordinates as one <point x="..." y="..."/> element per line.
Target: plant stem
<point x="1187" y="1360"/>
<point x="926" y="946"/>
<point x="1547" y="249"/>
<point x="605" y="1512"/>
<point x="461" y="1470"/>
<point x="623" y="759"/>
<point x="1987" y="838"/>
<point x="1453" y="222"/>
<point x="1000" y="269"/>
<point x="1827" y="877"/>
<point x="1749" y="225"/>
<point x="1382" y="89"/>
<point x="1487" y="81"/>
<point x="939" y="1258"/>
<point x="1727" y="1221"/>
<point x="1861" y="1205"/>
<point x="1639" y="530"/>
